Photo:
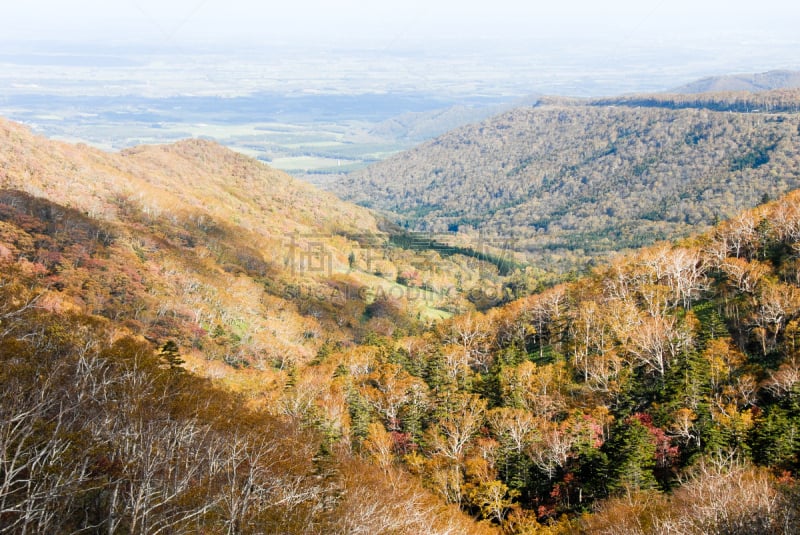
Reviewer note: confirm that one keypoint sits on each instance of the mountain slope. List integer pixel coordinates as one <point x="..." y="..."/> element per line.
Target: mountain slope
<point x="233" y="259"/>
<point x="764" y="81"/>
<point x="568" y="180"/>
<point x="130" y="277"/>
<point x="421" y="126"/>
<point x="662" y="389"/>
<point x="196" y="173"/>
<point x="190" y="218"/>
<point x="105" y="431"/>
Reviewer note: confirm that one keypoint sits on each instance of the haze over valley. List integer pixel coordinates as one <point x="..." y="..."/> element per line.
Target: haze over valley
<point x="323" y="103"/>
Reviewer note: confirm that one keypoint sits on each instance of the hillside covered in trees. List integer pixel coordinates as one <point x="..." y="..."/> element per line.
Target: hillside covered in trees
<point x="258" y="266"/>
<point x="104" y="431"/>
<point x="155" y="306"/>
<point x="570" y="180"/>
<point x="657" y="395"/>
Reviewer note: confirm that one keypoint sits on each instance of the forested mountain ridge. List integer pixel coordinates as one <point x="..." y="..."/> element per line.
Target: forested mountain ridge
<point x="775" y="101"/>
<point x="763" y="81"/>
<point x="569" y="180"/>
<point x="268" y="267"/>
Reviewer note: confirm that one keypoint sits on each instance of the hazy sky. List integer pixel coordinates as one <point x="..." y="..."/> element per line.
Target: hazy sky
<point x="388" y="24"/>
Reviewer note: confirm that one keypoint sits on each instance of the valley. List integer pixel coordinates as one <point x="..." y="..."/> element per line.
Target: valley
<point x="425" y="268"/>
<point x="358" y="376"/>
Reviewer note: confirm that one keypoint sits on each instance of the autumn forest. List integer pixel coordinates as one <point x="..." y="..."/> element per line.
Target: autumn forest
<point x="193" y="342"/>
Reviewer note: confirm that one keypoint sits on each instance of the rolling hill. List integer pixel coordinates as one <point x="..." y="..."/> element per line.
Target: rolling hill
<point x="570" y="180"/>
<point x="234" y="251"/>
<point x="422" y="126"/>
<point x="764" y="81"/>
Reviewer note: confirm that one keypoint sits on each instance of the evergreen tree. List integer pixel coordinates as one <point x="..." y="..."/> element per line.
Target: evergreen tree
<point x="360" y="415"/>
<point x="632" y="455"/>
<point x="170" y="355"/>
<point x="775" y="440"/>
